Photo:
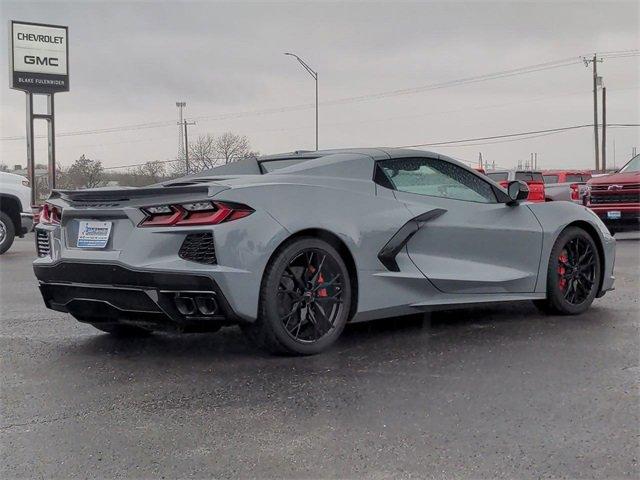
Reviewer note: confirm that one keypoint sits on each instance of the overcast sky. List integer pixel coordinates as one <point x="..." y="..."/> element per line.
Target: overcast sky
<point x="130" y="62"/>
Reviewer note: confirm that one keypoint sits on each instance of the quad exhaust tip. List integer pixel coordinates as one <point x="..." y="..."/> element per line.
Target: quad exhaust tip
<point x="190" y="305"/>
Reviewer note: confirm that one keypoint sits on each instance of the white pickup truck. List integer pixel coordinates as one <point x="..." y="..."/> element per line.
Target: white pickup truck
<point x="16" y="217"/>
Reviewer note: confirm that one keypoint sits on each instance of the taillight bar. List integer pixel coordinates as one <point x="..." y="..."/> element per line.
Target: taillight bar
<point x="50" y="214"/>
<point x="575" y="191"/>
<point x="196" y="213"/>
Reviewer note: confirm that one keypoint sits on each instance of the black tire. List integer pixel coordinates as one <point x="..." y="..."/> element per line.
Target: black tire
<point x="572" y="282"/>
<point x="289" y="286"/>
<point x="122" y="331"/>
<point x="7" y="232"/>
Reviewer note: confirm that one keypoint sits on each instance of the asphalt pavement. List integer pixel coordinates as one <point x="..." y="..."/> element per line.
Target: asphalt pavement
<point x="499" y="391"/>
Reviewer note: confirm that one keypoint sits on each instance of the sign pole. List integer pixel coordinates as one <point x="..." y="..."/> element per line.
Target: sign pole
<point x="51" y="133"/>
<point x="30" y="152"/>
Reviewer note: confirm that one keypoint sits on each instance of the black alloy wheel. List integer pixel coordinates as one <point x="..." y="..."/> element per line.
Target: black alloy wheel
<point x="310" y="295"/>
<point x="573" y="277"/>
<point x="576" y="270"/>
<point x="305" y="299"/>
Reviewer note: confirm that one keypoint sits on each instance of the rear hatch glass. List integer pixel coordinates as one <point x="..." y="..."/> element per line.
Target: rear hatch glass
<point x="498" y="176"/>
<point x="529" y="177"/>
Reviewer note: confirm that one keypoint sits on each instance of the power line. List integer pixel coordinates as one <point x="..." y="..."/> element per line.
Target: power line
<point x="527" y="135"/>
<point x="355" y="99"/>
<point x="510" y="135"/>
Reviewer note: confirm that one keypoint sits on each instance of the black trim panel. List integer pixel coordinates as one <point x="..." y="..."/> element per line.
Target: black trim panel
<point x="115" y="275"/>
<point x="75" y="284"/>
<point x="387" y="255"/>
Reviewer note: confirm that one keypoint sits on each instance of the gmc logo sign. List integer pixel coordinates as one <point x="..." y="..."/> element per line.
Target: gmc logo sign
<point x="35" y="60"/>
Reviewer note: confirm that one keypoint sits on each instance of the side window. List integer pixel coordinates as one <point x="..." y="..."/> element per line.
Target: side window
<point x="437" y="178"/>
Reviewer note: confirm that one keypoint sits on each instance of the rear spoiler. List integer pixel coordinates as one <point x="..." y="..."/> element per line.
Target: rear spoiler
<point x="124" y="194"/>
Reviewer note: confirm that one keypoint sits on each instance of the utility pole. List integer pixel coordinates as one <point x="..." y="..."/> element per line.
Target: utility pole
<point x="604" y="128"/>
<point x="535" y="161"/>
<point x="595" y="60"/>
<point x="186" y="124"/>
<point x="180" y="106"/>
<point x="480" y="159"/>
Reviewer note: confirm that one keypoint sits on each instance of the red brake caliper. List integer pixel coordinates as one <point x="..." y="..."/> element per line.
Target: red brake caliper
<point x="563" y="259"/>
<point x="323" y="291"/>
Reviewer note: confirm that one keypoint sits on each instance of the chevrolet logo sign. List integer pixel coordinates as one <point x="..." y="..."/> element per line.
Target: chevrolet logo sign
<point x="615" y="187"/>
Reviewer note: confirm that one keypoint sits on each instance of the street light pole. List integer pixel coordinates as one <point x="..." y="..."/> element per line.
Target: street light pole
<point x="313" y="74"/>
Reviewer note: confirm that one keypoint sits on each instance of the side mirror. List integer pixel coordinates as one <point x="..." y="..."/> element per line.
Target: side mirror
<point x="517" y="190"/>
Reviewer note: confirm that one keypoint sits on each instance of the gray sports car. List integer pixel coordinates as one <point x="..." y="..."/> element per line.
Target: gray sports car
<point x="292" y="247"/>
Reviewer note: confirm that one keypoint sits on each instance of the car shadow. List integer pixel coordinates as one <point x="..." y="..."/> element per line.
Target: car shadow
<point x="229" y="344"/>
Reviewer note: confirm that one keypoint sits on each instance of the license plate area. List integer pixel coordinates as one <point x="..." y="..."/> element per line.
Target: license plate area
<point x="614" y="215"/>
<point x="93" y="234"/>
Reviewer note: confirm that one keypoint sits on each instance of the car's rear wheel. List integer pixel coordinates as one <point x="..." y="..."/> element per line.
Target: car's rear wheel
<point x="305" y="299"/>
<point x="7" y="232"/>
<point x="122" y="331"/>
<point x="574" y="273"/>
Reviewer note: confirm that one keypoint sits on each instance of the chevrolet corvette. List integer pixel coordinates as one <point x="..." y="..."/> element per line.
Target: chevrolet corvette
<point x="292" y="247"/>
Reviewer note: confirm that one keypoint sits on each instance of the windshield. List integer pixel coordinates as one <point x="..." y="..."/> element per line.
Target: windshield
<point x="577" y="177"/>
<point x="633" y="165"/>
<point x="550" y="178"/>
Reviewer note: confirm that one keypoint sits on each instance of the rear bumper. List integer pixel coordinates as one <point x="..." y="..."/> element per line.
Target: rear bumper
<point x="112" y="293"/>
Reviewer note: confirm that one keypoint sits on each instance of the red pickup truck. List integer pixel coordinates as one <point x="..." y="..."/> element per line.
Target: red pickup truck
<point x="615" y="198"/>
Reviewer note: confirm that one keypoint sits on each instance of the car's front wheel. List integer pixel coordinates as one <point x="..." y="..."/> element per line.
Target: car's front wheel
<point x="305" y="299"/>
<point x="573" y="277"/>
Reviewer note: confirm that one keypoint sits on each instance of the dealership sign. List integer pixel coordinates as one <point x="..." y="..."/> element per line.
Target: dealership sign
<point x="39" y="57"/>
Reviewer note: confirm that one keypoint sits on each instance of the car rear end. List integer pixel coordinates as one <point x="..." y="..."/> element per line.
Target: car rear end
<point x="565" y="185"/>
<point x="175" y="258"/>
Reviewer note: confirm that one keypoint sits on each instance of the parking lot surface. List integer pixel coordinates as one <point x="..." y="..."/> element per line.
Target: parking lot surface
<point x="500" y="391"/>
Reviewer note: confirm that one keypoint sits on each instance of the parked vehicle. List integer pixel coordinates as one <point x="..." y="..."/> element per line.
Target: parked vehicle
<point x="534" y="180"/>
<point x="294" y="246"/>
<point x="615" y="198"/>
<point x="16" y="218"/>
<point x="569" y="185"/>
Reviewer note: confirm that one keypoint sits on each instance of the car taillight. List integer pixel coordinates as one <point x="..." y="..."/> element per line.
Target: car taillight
<point x="50" y="214"/>
<point x="536" y="192"/>
<point x="575" y="191"/>
<point x="195" y="213"/>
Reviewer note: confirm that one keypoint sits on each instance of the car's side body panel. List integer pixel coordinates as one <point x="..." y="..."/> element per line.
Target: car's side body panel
<point x="464" y="250"/>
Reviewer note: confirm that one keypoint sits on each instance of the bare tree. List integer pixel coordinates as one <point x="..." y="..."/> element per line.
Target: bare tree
<point x="231" y="147"/>
<point x="154" y="171"/>
<point x="203" y="154"/>
<point x="83" y="173"/>
<point x="147" y="174"/>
